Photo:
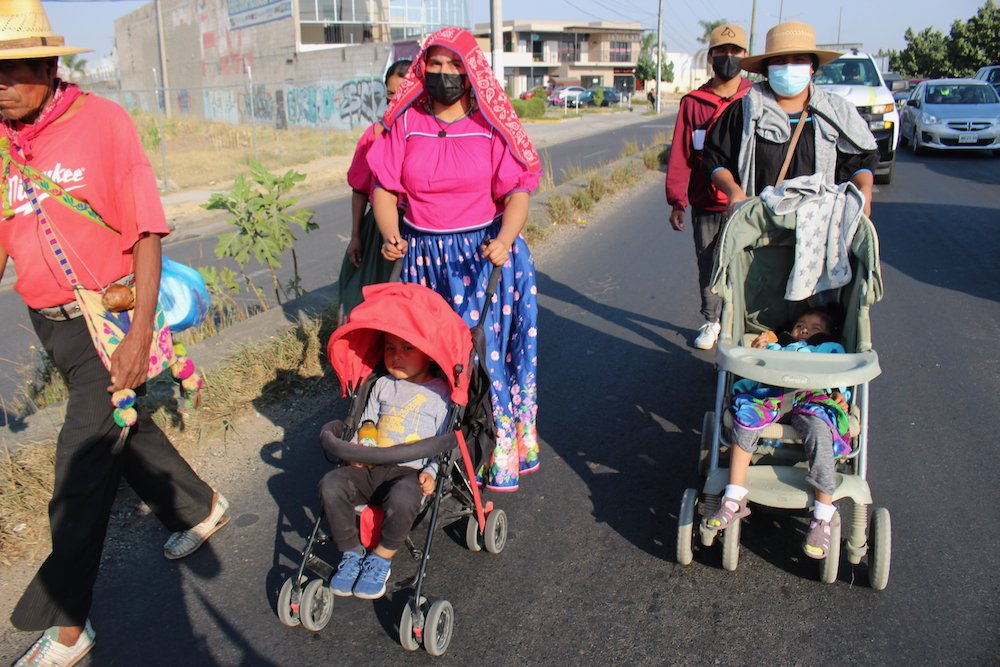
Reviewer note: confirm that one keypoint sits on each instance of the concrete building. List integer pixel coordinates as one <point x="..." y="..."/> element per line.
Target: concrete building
<point x="285" y="63"/>
<point x="537" y="53"/>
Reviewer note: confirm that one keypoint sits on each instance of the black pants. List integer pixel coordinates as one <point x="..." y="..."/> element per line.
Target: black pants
<point x="706" y="226"/>
<point x="395" y="488"/>
<point x="87" y="477"/>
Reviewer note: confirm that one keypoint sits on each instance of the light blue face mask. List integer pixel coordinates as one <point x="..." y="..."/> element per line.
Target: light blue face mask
<point x="789" y="80"/>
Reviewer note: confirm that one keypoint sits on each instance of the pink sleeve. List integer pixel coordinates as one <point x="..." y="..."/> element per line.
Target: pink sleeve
<point x="138" y="207"/>
<point x="385" y="157"/>
<point x="359" y="176"/>
<point x="509" y="175"/>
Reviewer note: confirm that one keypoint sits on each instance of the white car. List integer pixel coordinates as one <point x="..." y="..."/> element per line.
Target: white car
<point x="569" y="95"/>
<point x="952" y="114"/>
<point x="855" y="77"/>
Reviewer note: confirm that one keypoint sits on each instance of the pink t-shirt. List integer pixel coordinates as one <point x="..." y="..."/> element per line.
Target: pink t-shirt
<point x="359" y="176"/>
<point x="452" y="183"/>
<point x="96" y="155"/>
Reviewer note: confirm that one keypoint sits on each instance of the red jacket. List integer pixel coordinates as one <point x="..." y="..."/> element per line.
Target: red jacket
<point x="686" y="182"/>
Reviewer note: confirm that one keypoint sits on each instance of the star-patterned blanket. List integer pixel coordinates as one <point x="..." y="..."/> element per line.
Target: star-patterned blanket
<point x="826" y="219"/>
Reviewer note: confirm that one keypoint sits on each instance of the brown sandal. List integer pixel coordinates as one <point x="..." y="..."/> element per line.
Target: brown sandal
<point x="730" y="510"/>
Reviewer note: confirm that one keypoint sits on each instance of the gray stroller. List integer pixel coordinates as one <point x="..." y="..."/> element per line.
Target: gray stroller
<point x="754" y="259"/>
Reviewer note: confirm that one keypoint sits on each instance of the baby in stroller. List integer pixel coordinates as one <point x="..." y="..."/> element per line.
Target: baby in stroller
<point x="820" y="419"/>
<point x="409" y="403"/>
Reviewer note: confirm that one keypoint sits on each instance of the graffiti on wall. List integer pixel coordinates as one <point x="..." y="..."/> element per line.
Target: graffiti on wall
<point x="258" y="104"/>
<point x="184" y="100"/>
<point x="335" y="106"/>
<point x="222" y="106"/>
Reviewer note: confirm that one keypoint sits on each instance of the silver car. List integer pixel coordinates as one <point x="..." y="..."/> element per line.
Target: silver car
<point x="952" y="114"/>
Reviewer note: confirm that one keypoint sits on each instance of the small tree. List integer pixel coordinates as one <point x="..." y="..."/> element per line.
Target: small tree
<point x="264" y="224"/>
<point x="74" y="65"/>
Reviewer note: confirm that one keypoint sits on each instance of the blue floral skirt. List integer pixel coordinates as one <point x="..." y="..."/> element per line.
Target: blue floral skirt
<point x="453" y="266"/>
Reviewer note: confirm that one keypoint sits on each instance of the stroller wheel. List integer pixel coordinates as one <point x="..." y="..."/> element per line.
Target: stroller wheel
<point x="438" y="627"/>
<point x="473" y="538"/>
<point x="685" y="527"/>
<point x="406" y="638"/>
<point x="879" y="548"/>
<point x="495" y="535"/>
<point x="287" y="613"/>
<point x="830" y="566"/>
<point x="731" y="545"/>
<point x="316" y="607"/>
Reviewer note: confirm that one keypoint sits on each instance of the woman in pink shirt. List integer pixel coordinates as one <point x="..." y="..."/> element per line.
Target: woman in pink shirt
<point x="363" y="262"/>
<point x="458" y="160"/>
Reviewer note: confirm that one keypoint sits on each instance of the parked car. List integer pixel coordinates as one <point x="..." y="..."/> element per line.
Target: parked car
<point x="611" y="96"/>
<point x="569" y="95"/>
<point x="991" y="75"/>
<point x="952" y="114"/>
<point x="855" y="77"/>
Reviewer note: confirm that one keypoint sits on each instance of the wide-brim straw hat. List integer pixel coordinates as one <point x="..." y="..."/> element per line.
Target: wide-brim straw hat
<point x="25" y="32"/>
<point x="786" y="39"/>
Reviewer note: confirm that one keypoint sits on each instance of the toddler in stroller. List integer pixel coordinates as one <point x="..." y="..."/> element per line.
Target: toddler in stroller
<point x="756" y="258"/>
<point x="383" y="357"/>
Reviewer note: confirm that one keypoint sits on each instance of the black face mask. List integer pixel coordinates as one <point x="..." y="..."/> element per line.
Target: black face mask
<point x="726" y="67"/>
<point x="445" y="88"/>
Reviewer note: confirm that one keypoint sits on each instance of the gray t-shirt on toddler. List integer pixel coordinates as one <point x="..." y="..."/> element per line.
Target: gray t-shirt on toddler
<point x="405" y="411"/>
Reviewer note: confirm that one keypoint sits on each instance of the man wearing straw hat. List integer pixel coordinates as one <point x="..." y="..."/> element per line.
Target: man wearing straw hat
<point x="64" y="151"/>
<point x="784" y="128"/>
<point x="746" y="149"/>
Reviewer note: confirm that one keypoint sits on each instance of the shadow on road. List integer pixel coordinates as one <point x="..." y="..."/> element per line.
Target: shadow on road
<point x="624" y="410"/>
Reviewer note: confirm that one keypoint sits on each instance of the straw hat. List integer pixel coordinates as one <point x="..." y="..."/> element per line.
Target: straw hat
<point x="25" y="32"/>
<point x="728" y="33"/>
<point x="785" y="39"/>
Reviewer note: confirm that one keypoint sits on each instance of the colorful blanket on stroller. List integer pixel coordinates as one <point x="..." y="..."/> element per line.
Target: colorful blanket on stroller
<point x="759" y="406"/>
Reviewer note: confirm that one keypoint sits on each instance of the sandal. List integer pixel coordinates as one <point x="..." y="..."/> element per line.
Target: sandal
<point x="730" y="510"/>
<point x="817" y="542"/>
<point x="186" y="542"/>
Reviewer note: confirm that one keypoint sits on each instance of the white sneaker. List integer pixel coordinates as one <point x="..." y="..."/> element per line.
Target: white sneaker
<point x="47" y="652"/>
<point x="708" y="335"/>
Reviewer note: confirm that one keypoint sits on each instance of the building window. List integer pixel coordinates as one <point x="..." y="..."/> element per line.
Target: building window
<point x="621" y="52"/>
<point x="569" y="50"/>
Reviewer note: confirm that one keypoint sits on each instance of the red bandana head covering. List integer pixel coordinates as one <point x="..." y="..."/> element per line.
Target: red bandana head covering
<point x="490" y="96"/>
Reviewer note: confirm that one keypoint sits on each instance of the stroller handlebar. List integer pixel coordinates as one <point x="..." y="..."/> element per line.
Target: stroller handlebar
<point x="796" y="370"/>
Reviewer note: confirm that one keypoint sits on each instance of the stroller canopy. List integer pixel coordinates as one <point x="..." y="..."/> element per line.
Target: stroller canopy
<point x="416" y="314"/>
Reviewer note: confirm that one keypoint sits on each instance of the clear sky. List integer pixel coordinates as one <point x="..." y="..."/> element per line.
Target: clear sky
<point x="877" y="24"/>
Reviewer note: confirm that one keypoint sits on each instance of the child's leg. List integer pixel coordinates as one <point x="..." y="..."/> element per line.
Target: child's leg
<point x="733" y="505"/>
<point x="341" y="490"/>
<point x="399" y="495"/>
<point x="818" y="441"/>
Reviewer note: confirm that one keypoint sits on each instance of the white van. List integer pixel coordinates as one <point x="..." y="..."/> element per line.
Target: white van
<point x="855" y="77"/>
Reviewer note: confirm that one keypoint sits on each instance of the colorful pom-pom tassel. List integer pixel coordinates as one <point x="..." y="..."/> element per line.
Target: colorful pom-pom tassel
<point x="182" y="368"/>
<point x="123" y="398"/>
<point x="180" y="350"/>
<point x="125" y="417"/>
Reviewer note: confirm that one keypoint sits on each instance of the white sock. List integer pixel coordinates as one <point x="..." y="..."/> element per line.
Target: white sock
<point x="736" y="492"/>
<point x="822" y="511"/>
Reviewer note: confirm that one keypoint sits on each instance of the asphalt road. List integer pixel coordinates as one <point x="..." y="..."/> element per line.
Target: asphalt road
<point x="588" y="576"/>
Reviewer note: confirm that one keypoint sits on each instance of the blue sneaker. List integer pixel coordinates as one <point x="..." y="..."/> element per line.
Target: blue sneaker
<point x="342" y="582"/>
<point x="371" y="582"/>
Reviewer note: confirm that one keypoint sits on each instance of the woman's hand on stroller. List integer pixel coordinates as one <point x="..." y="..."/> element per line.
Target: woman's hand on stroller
<point x="736" y="200"/>
<point x="426" y="483"/>
<point x="394" y="248"/>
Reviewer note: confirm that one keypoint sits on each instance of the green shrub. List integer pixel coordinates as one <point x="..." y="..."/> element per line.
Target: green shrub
<point x="598" y="97"/>
<point x="530" y="108"/>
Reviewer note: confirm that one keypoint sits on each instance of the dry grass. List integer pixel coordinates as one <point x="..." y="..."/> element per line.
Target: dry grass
<point x="201" y="153"/>
<point x="25" y="488"/>
<point x="582" y="201"/>
<point x="560" y="210"/>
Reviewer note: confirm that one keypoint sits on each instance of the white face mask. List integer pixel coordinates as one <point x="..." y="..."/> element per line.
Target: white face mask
<point x="789" y="80"/>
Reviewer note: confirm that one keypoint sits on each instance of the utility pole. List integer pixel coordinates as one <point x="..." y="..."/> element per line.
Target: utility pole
<point x="840" y="19"/>
<point x="753" y="21"/>
<point x="496" y="39"/>
<point x="163" y="55"/>
<point x="659" y="55"/>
